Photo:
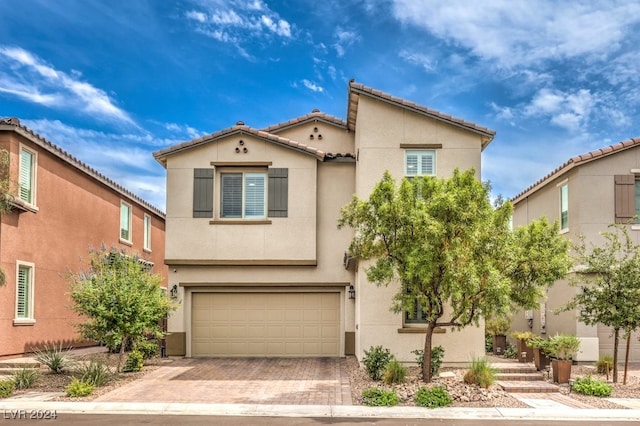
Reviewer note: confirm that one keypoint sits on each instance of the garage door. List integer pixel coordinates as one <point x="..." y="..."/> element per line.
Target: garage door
<point x="265" y="324"/>
<point x="605" y="335"/>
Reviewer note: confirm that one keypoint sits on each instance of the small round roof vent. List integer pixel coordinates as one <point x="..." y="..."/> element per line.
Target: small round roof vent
<point x="240" y="123"/>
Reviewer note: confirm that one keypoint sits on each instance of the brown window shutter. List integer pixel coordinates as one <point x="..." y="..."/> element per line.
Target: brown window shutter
<point x="625" y="198"/>
<point x="202" y="192"/>
<point x="278" y="192"/>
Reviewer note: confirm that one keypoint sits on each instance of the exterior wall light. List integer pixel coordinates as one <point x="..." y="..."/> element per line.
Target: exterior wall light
<point x="173" y="293"/>
<point x="352" y="292"/>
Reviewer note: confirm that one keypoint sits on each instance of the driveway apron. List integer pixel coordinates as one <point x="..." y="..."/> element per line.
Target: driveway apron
<point x="304" y="381"/>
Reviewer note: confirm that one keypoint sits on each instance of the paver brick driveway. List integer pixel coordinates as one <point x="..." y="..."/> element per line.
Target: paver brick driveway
<point x="322" y="381"/>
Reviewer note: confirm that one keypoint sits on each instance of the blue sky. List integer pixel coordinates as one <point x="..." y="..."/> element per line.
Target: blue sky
<point x="113" y="81"/>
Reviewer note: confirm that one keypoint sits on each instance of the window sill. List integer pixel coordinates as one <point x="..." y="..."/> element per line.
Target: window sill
<point x="23" y="321"/>
<point x="23" y="206"/>
<point x="564" y="231"/>
<point x="126" y="242"/>
<point x="420" y="329"/>
<point x="240" y="222"/>
<point x="635" y="227"/>
<point x="146" y="250"/>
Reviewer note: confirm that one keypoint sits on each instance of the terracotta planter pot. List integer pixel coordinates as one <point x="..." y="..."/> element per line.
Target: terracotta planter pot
<point x="521" y="346"/>
<point x="561" y="370"/>
<point x="540" y="359"/>
<point x="499" y="344"/>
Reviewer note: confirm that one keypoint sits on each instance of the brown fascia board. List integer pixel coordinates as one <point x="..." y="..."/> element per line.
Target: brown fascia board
<point x="13" y="125"/>
<point x="162" y="154"/>
<point x="575" y="162"/>
<point x="357" y="89"/>
<point x="314" y="116"/>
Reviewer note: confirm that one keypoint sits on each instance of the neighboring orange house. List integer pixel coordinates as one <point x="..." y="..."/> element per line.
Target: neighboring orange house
<point x="61" y="209"/>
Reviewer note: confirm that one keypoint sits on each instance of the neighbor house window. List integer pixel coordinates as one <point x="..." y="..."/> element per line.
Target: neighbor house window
<point x="420" y="163"/>
<point x="24" y="294"/>
<point x="564" y="207"/>
<point x="125" y="222"/>
<point x="637" y="201"/>
<point x="27" y="175"/>
<point x="147" y="232"/>
<point x="243" y="195"/>
<point x="418" y="316"/>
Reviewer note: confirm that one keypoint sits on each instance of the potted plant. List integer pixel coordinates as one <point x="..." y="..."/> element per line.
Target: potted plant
<point x="525" y="353"/>
<point x="498" y="327"/>
<point x="562" y="347"/>
<point x="540" y="355"/>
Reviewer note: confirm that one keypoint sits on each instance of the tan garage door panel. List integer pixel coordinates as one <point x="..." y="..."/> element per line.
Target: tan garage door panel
<point x="605" y="335"/>
<point x="265" y="324"/>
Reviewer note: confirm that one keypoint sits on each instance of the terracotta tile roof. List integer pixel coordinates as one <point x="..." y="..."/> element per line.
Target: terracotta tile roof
<point x="357" y="89"/>
<point x="340" y="157"/>
<point x="315" y="115"/>
<point x="239" y="128"/>
<point x="13" y="124"/>
<point x="575" y="162"/>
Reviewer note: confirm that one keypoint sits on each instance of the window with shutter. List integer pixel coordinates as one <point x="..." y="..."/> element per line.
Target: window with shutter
<point x="203" y="192"/>
<point x="278" y="192"/>
<point x="24" y="294"/>
<point x="26" y="176"/>
<point x="420" y="163"/>
<point x="147" y="232"/>
<point x="564" y="207"/>
<point x="243" y="195"/>
<point x="625" y="198"/>
<point x="125" y="222"/>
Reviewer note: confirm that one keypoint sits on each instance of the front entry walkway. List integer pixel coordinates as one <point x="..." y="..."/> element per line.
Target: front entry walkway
<point x="292" y="381"/>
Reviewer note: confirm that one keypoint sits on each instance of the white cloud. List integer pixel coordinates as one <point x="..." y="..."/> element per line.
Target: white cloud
<point x="420" y="59"/>
<point x="29" y="78"/>
<point x="312" y="86"/>
<point x="344" y="39"/>
<point x="568" y="110"/>
<point x="503" y="112"/>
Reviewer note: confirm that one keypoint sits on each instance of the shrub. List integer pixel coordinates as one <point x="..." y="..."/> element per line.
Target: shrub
<point x="6" y="388"/>
<point x="375" y="361"/>
<point x="25" y="378"/>
<point x="134" y="362"/>
<point x="479" y="373"/>
<point x="148" y="348"/>
<point x="394" y="372"/>
<point x="375" y="397"/>
<point x="95" y="373"/>
<point x="434" y="397"/>
<point x="437" y="354"/>
<point x="603" y="362"/>
<point x="510" y="352"/>
<point x="79" y="388"/>
<point x="589" y="386"/>
<point x="488" y="343"/>
<point x="54" y="357"/>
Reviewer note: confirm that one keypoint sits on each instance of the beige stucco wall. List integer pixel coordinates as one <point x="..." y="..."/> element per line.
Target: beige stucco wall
<point x="328" y="137"/>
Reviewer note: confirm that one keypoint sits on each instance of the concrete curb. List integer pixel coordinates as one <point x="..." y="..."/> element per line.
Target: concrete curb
<point x="319" y="411"/>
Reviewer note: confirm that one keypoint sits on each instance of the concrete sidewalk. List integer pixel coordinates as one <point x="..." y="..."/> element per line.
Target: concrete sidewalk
<point x="322" y="411"/>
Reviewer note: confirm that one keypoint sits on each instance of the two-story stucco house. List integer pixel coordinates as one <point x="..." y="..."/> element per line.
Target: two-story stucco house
<point x="585" y="195"/>
<point x="253" y="248"/>
<point x="61" y="209"/>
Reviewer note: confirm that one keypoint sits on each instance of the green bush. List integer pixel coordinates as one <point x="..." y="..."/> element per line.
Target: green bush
<point x="25" y="378"/>
<point x="79" y="388"/>
<point x="6" y="388"/>
<point x="479" y="373"/>
<point x="375" y="361"/>
<point x="601" y="364"/>
<point x="589" y="386"/>
<point x="135" y="362"/>
<point x="394" y="373"/>
<point x="437" y="354"/>
<point x="375" y="397"/>
<point x="510" y="352"/>
<point x="95" y="373"/>
<point x="148" y="348"/>
<point x="434" y="397"/>
<point x="488" y="343"/>
<point x="54" y="357"/>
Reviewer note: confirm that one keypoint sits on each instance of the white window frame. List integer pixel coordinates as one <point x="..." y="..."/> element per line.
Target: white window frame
<point x="32" y="175"/>
<point x="422" y="155"/>
<point x="147" y="232"/>
<point x="29" y="318"/>
<point x="243" y="211"/>
<point x="564" y="206"/>
<point x="129" y="239"/>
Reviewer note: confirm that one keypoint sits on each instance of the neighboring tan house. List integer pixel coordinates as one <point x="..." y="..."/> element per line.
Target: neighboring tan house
<point x="61" y="209"/>
<point x="585" y="195"/>
<point x="254" y="252"/>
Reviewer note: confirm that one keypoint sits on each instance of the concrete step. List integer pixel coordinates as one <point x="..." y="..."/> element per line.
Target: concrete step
<point x="513" y="367"/>
<point x="9" y="364"/>
<point x="527" y="386"/>
<point x="519" y="377"/>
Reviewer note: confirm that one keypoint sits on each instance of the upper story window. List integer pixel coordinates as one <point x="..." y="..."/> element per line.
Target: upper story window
<point x="147" y="232"/>
<point x="420" y="162"/>
<point x="564" y="207"/>
<point x="125" y="222"/>
<point x="418" y="316"/>
<point x="27" y="176"/>
<point x="243" y="195"/>
<point x="24" y="294"/>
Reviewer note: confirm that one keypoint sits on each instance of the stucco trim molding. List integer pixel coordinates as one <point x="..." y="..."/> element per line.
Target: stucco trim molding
<point x="241" y="262"/>
<point x="263" y="285"/>
<point x="421" y="330"/>
<point x="421" y="146"/>
<point x="241" y="163"/>
<point x="240" y="222"/>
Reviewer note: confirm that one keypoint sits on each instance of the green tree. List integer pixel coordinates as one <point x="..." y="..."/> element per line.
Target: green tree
<point x="608" y="281"/>
<point x="443" y="243"/>
<point x="5" y="193"/>
<point x="120" y="300"/>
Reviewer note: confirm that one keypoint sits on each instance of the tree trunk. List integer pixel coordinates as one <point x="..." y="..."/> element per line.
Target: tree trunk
<point x="123" y="345"/>
<point x="616" y="340"/>
<point x="626" y="359"/>
<point x="426" y="360"/>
